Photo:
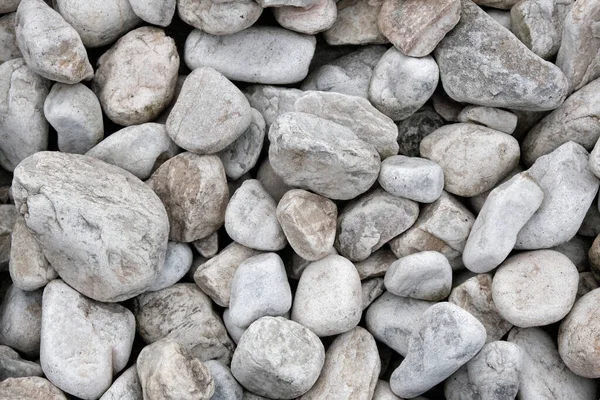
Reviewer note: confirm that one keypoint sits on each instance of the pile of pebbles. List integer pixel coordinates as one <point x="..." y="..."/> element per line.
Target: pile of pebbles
<point x="299" y="199"/>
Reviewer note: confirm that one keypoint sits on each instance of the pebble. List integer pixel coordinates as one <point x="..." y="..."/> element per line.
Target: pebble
<point x="445" y="338"/>
<point x="352" y="164"/>
<point x="474" y="158"/>
<point x="75" y="113"/>
<point x="209" y="246"/>
<point x="376" y="264"/>
<point x="268" y="55"/>
<point x="351" y="368"/>
<point x="278" y="358"/>
<point x="513" y="74"/>
<point x="356" y="23"/>
<point x="415" y="27"/>
<point x="384" y="392"/>
<point x="125" y="387"/>
<point x="83" y="342"/>
<point x="533" y="22"/>
<point x="425" y="276"/>
<point x="155" y="12"/>
<point x="183" y="313"/>
<point x="412" y="130"/>
<point x="178" y="261"/>
<point x="495" y="371"/>
<point x="413" y="178"/>
<point x="368" y="222"/>
<point x="309" y="222"/>
<point x="29" y="388"/>
<point x="590" y="227"/>
<point x="139" y="149"/>
<point x="493" y="118"/>
<point x="535" y="288"/>
<point x="459" y="387"/>
<point x="219" y="17"/>
<point x="402" y="84"/>
<point x="8" y="40"/>
<point x="226" y="387"/>
<point x="576" y="250"/>
<point x="371" y="290"/>
<point x="316" y="18"/>
<point x="21" y="320"/>
<point x="272" y="101"/>
<point x="167" y="371"/>
<point x="328" y="298"/>
<point x="287" y="3"/>
<point x="355" y="113"/>
<point x="445" y="106"/>
<point x="500" y="16"/>
<point x="13" y="366"/>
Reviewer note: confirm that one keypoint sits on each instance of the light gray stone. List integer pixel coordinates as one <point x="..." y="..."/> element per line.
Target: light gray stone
<point x="477" y="202"/>
<point x="494" y="118"/>
<point x="226" y="387"/>
<point x="8" y="218"/>
<point x="413" y="178"/>
<point x="459" y="387"/>
<point x="13" y="366"/>
<point x="590" y="227"/>
<point x="532" y="21"/>
<point x="376" y="264"/>
<point x="445" y="106"/>
<point x="235" y="332"/>
<point x="371" y="290"/>
<point x="21" y="320"/>
<point x="296" y="267"/>
<point x="495" y="371"/>
<point x="356" y="23"/>
<point x="8" y="39"/>
<point x="416" y="127"/>
<point x="125" y="387"/>
<point x="155" y="12"/>
<point x="219" y="17"/>
<point x="178" y="261"/>
<point x="272" y="101"/>
<point x="311" y="20"/>
<point x="384" y="392"/>
<point x="29" y="388"/>
<point x="272" y="183"/>
<point x="209" y="246"/>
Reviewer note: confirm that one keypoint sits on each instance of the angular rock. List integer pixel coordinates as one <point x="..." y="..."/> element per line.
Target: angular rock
<point x="532" y="21"/>
<point x="13" y="366"/>
<point x="493" y="118"/>
<point x="125" y="387"/>
<point x="413" y="178"/>
<point x="29" y="388"/>
<point x="371" y="290"/>
<point x="416" y="127"/>
<point x="376" y="264"/>
<point x="178" y="261"/>
<point x="21" y="320"/>
<point x="155" y="12"/>
<point x="8" y="40"/>
<point x="272" y="101"/>
<point x="312" y="20"/>
<point x="219" y="17"/>
<point x="226" y="387"/>
<point x="495" y="370"/>
<point x="356" y="23"/>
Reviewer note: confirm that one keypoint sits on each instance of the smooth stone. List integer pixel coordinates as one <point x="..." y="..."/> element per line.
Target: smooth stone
<point x="514" y="77"/>
<point x="445" y="338"/>
<point x="139" y="149"/>
<point x="8" y="6"/>
<point x="226" y="387"/>
<point x="413" y="178"/>
<point x="476" y="202"/>
<point x="587" y="283"/>
<point x="51" y="47"/>
<point x="415" y="27"/>
<point x="569" y="189"/>
<point x="13" y="366"/>
<point x="543" y="374"/>
<point x="264" y="54"/>
<point x="351" y="368"/>
<point x="98" y="23"/>
<point x="425" y="276"/>
<point x="178" y="261"/>
<point x="328" y="298"/>
<point x="445" y="106"/>
<point x="235" y="332"/>
<point x="309" y="222"/>
<point x="376" y="264"/>
<point x="371" y="290"/>
<point x="351" y="164"/>
<point x="356" y="23"/>
<point x="183" y="313"/>
<point x="125" y="387"/>
<point x="402" y="84"/>
<point x="278" y="358"/>
<point x="287" y="3"/>
<point x="219" y="17"/>
<point x="535" y="288"/>
<point x="75" y="113"/>
<point x="9" y="50"/>
<point x="475" y="296"/>
<point x="493" y="118"/>
<point x="495" y="371"/>
<point x="311" y="20"/>
<point x="367" y="223"/>
<point x="594" y="257"/>
<point x="504" y="213"/>
<point x="29" y="388"/>
<point x="574" y="121"/>
<point x="167" y="371"/>
<point x="412" y="130"/>
<point x="349" y="74"/>
<point x="155" y="12"/>
<point x="209" y="246"/>
<point x="533" y="22"/>
<point x="594" y="160"/>
<point x="459" y="387"/>
<point x="272" y="101"/>
<point x="272" y="183"/>
<point x="391" y="320"/>
<point x="83" y="342"/>
<point x="498" y="4"/>
<point x="210" y="104"/>
<point x="474" y="158"/>
<point x="296" y="267"/>
<point x="23" y="127"/>
<point x="21" y="320"/>
<point x="355" y="113"/>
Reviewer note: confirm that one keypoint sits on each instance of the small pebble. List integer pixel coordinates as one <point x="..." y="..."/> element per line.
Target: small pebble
<point x="494" y="118"/>
<point x="219" y="17"/>
<point x="125" y="387"/>
<point x="495" y="371"/>
<point x="13" y="366"/>
<point x="413" y="178"/>
<point x="226" y="387"/>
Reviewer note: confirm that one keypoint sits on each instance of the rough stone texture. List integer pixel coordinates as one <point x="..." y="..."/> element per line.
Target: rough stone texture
<point x="98" y="23"/>
<point x="513" y="76"/>
<point x="136" y="77"/>
<point x="328" y="299"/>
<point x="312" y="20"/>
<point x="351" y="368"/>
<point x="139" y="149"/>
<point x="384" y="392"/>
<point x="494" y="118"/>
<point x="371" y="290"/>
<point x="226" y="387"/>
<point x="402" y="84"/>
<point x="391" y="320"/>
<point x="416" y="27"/>
<point x="8" y="40"/>
<point x="543" y="374"/>
<point x="370" y="221"/>
<point x="355" y="113"/>
<point x="578" y="56"/>
<point x="569" y="189"/>
<point x="495" y="370"/>
<point x="442" y="226"/>
<point x="500" y="16"/>
<point x="504" y="213"/>
<point x="278" y="358"/>
<point x="219" y="17"/>
<point x="75" y="112"/>
<point x="83" y="342"/>
<point x="413" y="178"/>
<point x="376" y="264"/>
<point x="21" y="320"/>
<point x="303" y="146"/>
<point x="13" y="366"/>
<point x="272" y="101"/>
<point x="445" y="338"/>
<point x="533" y="22"/>
<point x="209" y="246"/>
<point x="474" y="158"/>
<point x="356" y="23"/>
<point x="416" y="127"/>
<point x="125" y="387"/>
<point x="264" y="54"/>
<point x="155" y="12"/>
<point x="23" y="127"/>
<point x="29" y="388"/>
<point x="535" y="288"/>
<point x="309" y="222"/>
<point x="575" y="120"/>
<point x="50" y="46"/>
<point x="178" y="261"/>
<point x="445" y="106"/>
<point x="183" y="313"/>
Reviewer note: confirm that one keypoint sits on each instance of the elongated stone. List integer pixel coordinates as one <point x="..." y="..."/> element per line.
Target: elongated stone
<point x="494" y="118"/>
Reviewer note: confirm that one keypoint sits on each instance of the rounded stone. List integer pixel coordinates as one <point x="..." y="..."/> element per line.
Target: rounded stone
<point x="155" y="12"/>
<point x="218" y="17"/>
<point x="226" y="387"/>
<point x="21" y="320"/>
<point x="412" y="130"/>
<point x="126" y="387"/>
<point x="495" y="371"/>
<point x="309" y="20"/>
<point x="413" y="178"/>
<point x="356" y="23"/>
<point x="178" y="261"/>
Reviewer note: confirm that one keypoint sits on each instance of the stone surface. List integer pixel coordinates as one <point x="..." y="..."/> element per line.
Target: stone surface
<point x="278" y="358"/>
<point x="416" y="127"/>
<point x="226" y="387"/>
<point x="209" y="246"/>
<point x="328" y="299"/>
<point x="356" y="23"/>
<point x="296" y="267"/>
<point x="309" y="222"/>
<point x="494" y="118"/>
<point x="13" y="366"/>
<point x="235" y="332"/>
<point x="178" y="261"/>
<point x="29" y="388"/>
<point x="495" y="370"/>
<point x="500" y="16"/>
<point x="376" y="264"/>
<point x="413" y="178"/>
<point x="272" y="101"/>
<point x="21" y="320"/>
<point x="416" y="27"/>
<point x="577" y="251"/>
<point x="135" y="80"/>
<point x="125" y="387"/>
<point x="8" y="40"/>
<point x="251" y="55"/>
<point x="590" y="227"/>
<point x="83" y="342"/>
<point x="219" y="17"/>
<point x="371" y="290"/>
<point x="351" y="164"/>
<point x="311" y="20"/>
<point x="533" y="22"/>
<point x="476" y="202"/>
<point x="8" y="217"/>
<point x="155" y="12"/>
<point x="384" y="392"/>
<point x="445" y="106"/>
<point x="272" y="183"/>
<point x="587" y="283"/>
<point x="535" y="288"/>
<point x="513" y="76"/>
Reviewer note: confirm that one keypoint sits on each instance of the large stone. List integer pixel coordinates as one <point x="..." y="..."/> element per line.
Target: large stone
<point x="217" y="17"/>
<point x="413" y="178"/>
<point x="21" y="320"/>
<point x="13" y="366"/>
<point x="126" y="387"/>
<point x="8" y="39"/>
<point x="356" y="23"/>
<point x="514" y="77"/>
<point x="29" y="388"/>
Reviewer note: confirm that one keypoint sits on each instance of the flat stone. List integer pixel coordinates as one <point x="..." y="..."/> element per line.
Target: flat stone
<point x="29" y="388"/>
<point x="208" y="247"/>
<point x="532" y="21"/>
<point x="494" y="118"/>
<point x="356" y="23"/>
<point x="8" y="39"/>
<point x="178" y="261"/>
<point x="371" y="290"/>
<point x="376" y="264"/>
<point x="219" y="17"/>
<point x="252" y="56"/>
<point x="412" y="130"/>
<point x="226" y="387"/>
<point x="495" y="370"/>
<point x="126" y="387"/>
<point x="413" y="178"/>
<point x="416" y="27"/>
<point x="272" y="101"/>
<point x="514" y="77"/>
<point x="21" y="320"/>
<point x="155" y="12"/>
<point x="351" y="165"/>
<point x="311" y="20"/>
<point x="13" y="366"/>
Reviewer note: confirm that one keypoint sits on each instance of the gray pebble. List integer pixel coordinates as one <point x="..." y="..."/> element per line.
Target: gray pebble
<point x="8" y="39"/>
<point x="413" y="178"/>
<point x="500" y="16"/>
<point x="376" y="264"/>
<point x="13" y="366"/>
<point x="576" y="250"/>
<point x="178" y="261"/>
<point x="272" y="101"/>
<point x="155" y="12"/>
<point x="209" y="246"/>
<point x="125" y="387"/>
<point x="415" y="128"/>
<point x="371" y="290"/>
<point x="219" y="17"/>
<point x="587" y="283"/>
<point x="235" y="332"/>
<point x="494" y="118"/>
<point x="21" y="320"/>
<point x="272" y="183"/>
<point x="532" y="21"/>
<point x="226" y="387"/>
<point x="296" y="267"/>
<point x="356" y="23"/>
<point x="30" y="388"/>
<point x="311" y="20"/>
<point x="495" y="371"/>
<point x="7" y="6"/>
